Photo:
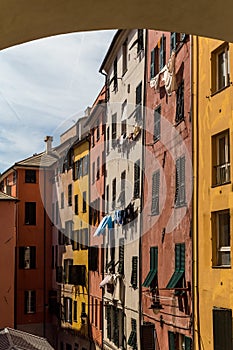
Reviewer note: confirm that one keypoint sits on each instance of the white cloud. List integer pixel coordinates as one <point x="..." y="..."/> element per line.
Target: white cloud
<point x="43" y="83"/>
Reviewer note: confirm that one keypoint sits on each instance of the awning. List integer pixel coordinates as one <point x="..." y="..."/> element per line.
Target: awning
<point x="107" y="279"/>
<point x="107" y="220"/>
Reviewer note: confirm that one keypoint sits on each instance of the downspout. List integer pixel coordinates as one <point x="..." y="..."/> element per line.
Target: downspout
<point x="197" y="194"/>
<point x="16" y="253"/>
<point x="142" y="181"/>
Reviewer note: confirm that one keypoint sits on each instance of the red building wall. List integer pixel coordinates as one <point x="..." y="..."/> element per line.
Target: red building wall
<point x="172" y="225"/>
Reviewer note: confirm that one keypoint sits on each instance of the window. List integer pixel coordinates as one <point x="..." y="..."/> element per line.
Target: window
<point x="85" y="165"/>
<point x="30" y="213"/>
<point x="121" y="256"/>
<point x="83" y="313"/>
<point x="67" y="263"/>
<point x="97" y="130"/>
<point x="137" y="179"/>
<point x="115" y="82"/>
<point x="178" y="341"/>
<point x="68" y="346"/>
<point x="140" y="40"/>
<point x="83" y="239"/>
<point x="138" y="114"/>
<point x="154" y="62"/>
<point x="157" y="121"/>
<point x="176" y="281"/>
<point x="115" y="325"/>
<point x="222" y="328"/>
<point x="220" y="77"/>
<point x="59" y="274"/>
<point x="77" y="275"/>
<point x="98" y="168"/>
<point x="148" y="336"/>
<point x="132" y="341"/>
<point x="61" y="346"/>
<point x="76" y="204"/>
<point x="122" y="194"/>
<point x="92" y="137"/>
<point x="68" y="309"/>
<point x="180" y="182"/>
<point x="27" y="258"/>
<point x="176" y="40"/>
<point x="124" y="112"/>
<point x="62" y="200"/>
<point x="107" y="143"/>
<point x="162" y="52"/>
<point x="107" y="199"/>
<point x="221" y="238"/>
<point x="155" y="193"/>
<point x="84" y="202"/>
<point x="75" y="311"/>
<point x="113" y="193"/>
<point x="30" y="176"/>
<point x="151" y="278"/>
<point x="93" y="253"/>
<point x="57" y="213"/>
<point x="29" y="302"/>
<point x="124" y="57"/>
<point x="180" y="103"/>
<point x="93" y="172"/>
<point x="134" y="274"/>
<point x="221" y="158"/>
<point x="14" y="176"/>
<point x="69" y="195"/>
<point x="68" y="231"/>
<point x="114" y="129"/>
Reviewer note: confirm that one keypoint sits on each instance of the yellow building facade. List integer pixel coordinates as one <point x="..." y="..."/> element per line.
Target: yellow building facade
<point x="80" y="235"/>
<point x="213" y="193"/>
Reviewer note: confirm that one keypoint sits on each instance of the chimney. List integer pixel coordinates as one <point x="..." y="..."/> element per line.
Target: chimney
<point x="48" y="140"/>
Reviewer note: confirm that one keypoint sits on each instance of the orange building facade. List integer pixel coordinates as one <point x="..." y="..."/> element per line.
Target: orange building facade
<point x="7" y="258"/>
<point x="28" y="180"/>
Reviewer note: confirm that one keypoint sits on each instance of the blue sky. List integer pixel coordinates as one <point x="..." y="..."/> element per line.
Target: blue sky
<point x="45" y="85"/>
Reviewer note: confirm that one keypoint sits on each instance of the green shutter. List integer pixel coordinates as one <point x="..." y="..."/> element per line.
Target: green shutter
<point x="162" y="52"/>
<point x="179" y="266"/>
<point x="155" y="193"/>
<point x="157" y="120"/>
<point x="152" y="64"/>
<point x="187" y="343"/>
<point x="182" y="180"/>
<point x="121" y="257"/>
<point x="171" y="340"/>
<point x="173" y="40"/>
<point x="134" y="275"/>
<point x="153" y="267"/>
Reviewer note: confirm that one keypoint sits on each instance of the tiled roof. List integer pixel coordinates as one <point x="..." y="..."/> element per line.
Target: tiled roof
<point x="37" y="160"/>
<point x="6" y="197"/>
<point x="12" y="339"/>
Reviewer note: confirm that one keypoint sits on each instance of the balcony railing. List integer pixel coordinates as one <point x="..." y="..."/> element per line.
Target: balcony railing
<point x="222" y="174"/>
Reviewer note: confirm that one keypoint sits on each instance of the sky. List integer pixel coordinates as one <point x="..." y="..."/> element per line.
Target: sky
<point x="45" y="85"/>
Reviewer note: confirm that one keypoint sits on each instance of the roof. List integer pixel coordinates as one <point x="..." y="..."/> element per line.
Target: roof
<point x="37" y="160"/>
<point x="6" y="197"/>
<point x="110" y="50"/>
<point x="12" y="339"/>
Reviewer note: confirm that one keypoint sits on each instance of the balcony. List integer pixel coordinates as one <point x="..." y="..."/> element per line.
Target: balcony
<point x="221" y="174"/>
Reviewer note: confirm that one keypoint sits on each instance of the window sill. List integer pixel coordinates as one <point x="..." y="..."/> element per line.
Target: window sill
<point x="221" y="267"/>
<point x="180" y="205"/>
<point x="179" y="121"/>
<point x="220" y="90"/>
<point x="223" y="184"/>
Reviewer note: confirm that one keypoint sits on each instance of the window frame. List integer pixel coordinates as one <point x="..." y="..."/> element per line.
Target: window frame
<point x="221" y="173"/>
<point x="215" y="77"/>
<point x="30" y="213"/>
<point x="216" y="248"/>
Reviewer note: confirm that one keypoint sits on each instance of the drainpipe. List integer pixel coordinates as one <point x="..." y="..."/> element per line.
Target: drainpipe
<point x="16" y="253"/>
<point x="142" y="181"/>
<point x="197" y="195"/>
